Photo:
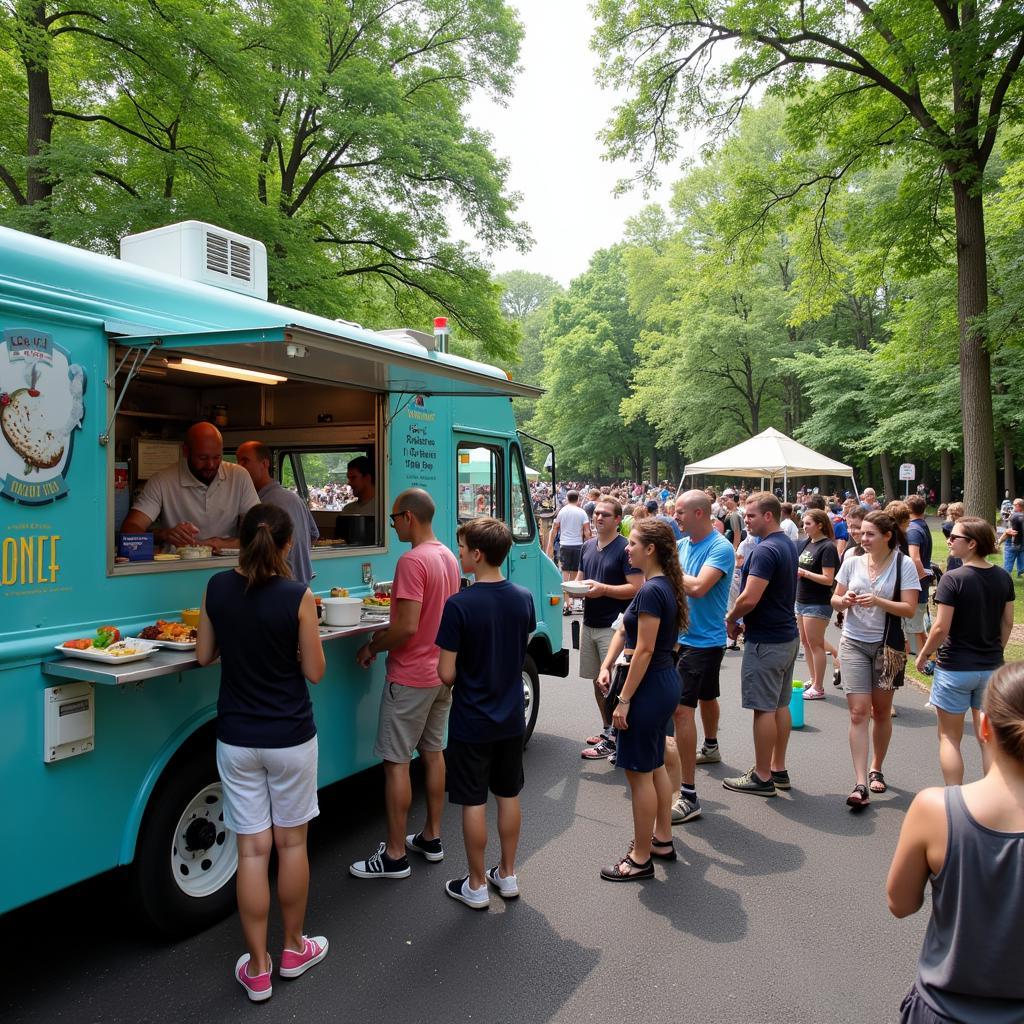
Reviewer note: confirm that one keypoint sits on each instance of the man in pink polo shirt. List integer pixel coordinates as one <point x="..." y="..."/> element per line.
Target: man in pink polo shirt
<point x="414" y="705"/>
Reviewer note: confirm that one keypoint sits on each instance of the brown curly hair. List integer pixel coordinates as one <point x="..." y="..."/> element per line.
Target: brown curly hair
<point x="659" y="534"/>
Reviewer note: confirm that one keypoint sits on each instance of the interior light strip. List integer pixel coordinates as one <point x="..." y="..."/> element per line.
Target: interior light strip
<point x="220" y="370"/>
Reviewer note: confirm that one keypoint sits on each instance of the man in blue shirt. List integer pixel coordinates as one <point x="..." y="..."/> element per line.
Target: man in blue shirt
<point x="765" y="604"/>
<point x="707" y="560"/>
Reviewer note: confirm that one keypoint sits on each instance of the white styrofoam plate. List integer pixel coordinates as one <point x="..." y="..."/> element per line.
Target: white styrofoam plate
<point x="576" y="589"/>
<point x="171" y="645"/>
<point x="104" y="656"/>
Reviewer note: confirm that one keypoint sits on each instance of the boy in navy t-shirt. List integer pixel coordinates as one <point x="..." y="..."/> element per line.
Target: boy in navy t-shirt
<point x="483" y="635"/>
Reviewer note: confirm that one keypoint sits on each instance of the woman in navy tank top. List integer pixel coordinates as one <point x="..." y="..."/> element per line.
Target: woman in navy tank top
<point x="969" y="842"/>
<point x="255" y="618"/>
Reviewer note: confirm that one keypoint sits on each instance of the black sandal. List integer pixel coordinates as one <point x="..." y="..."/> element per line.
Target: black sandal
<point x="859" y="797"/>
<point x="662" y="849"/>
<point x="616" y="874"/>
<point x="880" y="779"/>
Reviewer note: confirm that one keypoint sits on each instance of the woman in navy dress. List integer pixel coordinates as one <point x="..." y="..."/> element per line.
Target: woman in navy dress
<point x="648" y="696"/>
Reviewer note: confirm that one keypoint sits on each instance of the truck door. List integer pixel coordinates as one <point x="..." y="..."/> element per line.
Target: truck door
<point x="523" y="558"/>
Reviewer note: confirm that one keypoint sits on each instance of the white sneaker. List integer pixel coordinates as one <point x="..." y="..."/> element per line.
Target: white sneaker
<point x="477" y="899"/>
<point x="508" y="887"/>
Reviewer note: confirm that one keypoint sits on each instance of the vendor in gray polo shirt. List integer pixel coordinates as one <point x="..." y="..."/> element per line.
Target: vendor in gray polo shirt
<point x="200" y="500"/>
<point x="255" y="458"/>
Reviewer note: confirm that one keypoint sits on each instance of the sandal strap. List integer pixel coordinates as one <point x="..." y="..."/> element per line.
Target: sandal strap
<point x="861" y="788"/>
<point x="655" y="841"/>
<point x="876" y="776"/>
<point x="639" y="867"/>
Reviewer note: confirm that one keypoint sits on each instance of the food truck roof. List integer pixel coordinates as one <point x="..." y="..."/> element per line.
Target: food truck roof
<point x="143" y="308"/>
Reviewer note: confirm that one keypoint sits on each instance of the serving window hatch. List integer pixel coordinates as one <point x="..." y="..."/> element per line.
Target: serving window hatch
<point x="376" y="364"/>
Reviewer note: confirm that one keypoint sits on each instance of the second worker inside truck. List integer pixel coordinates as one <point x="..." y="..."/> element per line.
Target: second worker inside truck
<point x="199" y="500"/>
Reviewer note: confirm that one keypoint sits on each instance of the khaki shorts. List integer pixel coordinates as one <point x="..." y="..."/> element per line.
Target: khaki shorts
<point x="915" y="624"/>
<point x="594" y="643"/>
<point x="411" y="718"/>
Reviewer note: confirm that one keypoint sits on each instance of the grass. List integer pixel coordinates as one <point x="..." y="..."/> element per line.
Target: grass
<point x="1015" y="648"/>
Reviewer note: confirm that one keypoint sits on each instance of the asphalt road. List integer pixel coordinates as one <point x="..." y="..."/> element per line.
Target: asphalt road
<point x="775" y="911"/>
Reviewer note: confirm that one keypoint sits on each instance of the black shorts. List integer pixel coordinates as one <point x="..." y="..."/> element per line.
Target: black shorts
<point x="570" y="557"/>
<point x="698" y="674"/>
<point x="473" y="768"/>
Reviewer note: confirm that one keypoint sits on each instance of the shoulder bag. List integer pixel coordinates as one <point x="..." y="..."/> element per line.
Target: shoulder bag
<point x="891" y="659"/>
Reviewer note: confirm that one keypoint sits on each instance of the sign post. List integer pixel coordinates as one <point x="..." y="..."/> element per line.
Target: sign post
<point x="908" y="472"/>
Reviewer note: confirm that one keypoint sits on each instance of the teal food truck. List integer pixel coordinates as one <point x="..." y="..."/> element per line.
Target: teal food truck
<point x="104" y="364"/>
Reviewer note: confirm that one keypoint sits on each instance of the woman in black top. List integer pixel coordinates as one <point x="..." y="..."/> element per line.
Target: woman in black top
<point x="816" y="569"/>
<point x="973" y="618"/>
<point x="648" y="696"/>
<point x="255" y="618"/>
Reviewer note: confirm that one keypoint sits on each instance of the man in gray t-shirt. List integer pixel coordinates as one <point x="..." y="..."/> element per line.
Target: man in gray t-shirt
<point x="255" y="458"/>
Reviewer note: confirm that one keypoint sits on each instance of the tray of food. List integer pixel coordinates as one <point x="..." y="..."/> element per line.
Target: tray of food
<point x="227" y="552"/>
<point x="175" y="636"/>
<point x="107" y="647"/>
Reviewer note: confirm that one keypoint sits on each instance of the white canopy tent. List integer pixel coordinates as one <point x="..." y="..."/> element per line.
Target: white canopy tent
<point x="771" y="454"/>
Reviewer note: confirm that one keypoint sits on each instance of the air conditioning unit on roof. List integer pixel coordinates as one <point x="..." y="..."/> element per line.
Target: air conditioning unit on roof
<point x="201" y="252"/>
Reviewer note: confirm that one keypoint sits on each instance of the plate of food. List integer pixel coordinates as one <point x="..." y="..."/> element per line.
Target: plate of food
<point x="175" y="636"/>
<point x="227" y="552"/>
<point x="379" y="602"/>
<point x="107" y="647"/>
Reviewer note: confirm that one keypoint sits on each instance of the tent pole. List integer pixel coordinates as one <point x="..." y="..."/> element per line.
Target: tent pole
<point x="856" y="492"/>
<point x="785" y="486"/>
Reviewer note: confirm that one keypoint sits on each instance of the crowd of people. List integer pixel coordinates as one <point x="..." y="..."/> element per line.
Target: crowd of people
<point x="738" y="572"/>
<point x="662" y="603"/>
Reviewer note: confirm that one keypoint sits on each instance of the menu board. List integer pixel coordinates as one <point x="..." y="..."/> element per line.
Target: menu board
<point x="153" y="455"/>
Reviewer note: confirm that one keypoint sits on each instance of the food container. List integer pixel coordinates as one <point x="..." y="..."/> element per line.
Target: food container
<point x="193" y="552"/>
<point x="190" y="616"/>
<point x="342" y="611"/>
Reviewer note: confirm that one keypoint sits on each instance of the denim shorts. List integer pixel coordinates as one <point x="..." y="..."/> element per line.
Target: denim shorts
<point x="955" y="692"/>
<point x="814" y="611"/>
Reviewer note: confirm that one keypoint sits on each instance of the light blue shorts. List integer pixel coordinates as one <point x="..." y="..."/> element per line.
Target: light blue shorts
<point x="955" y="692"/>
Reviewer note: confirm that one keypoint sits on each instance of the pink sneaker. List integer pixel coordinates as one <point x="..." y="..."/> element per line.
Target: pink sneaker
<point x="313" y="951"/>
<point x="256" y="988"/>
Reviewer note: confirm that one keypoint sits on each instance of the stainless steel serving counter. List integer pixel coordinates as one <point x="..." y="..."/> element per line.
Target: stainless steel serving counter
<point x="167" y="663"/>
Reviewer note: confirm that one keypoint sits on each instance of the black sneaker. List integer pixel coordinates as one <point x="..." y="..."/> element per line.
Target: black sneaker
<point x="781" y="780"/>
<point x="430" y="848"/>
<point x="750" y="783"/>
<point x="380" y="865"/>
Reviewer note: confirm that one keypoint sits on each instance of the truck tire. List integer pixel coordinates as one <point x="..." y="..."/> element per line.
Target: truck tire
<point x="185" y="859"/>
<point x="531" y="693"/>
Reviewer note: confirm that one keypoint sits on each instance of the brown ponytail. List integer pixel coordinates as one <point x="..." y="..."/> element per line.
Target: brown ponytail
<point x="266" y="530"/>
<point x="658" y="533"/>
<point x="1004" y="705"/>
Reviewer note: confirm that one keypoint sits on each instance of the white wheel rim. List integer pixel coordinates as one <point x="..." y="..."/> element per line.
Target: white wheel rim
<point x="204" y="853"/>
<point x="527" y="695"/>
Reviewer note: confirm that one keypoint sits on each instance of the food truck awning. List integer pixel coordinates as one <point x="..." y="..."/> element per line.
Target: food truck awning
<point x="371" y="362"/>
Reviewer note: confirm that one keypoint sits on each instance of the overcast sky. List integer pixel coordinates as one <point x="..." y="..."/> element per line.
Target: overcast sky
<point x="548" y="132"/>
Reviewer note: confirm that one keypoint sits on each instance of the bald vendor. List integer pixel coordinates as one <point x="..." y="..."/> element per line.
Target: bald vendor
<point x="199" y="501"/>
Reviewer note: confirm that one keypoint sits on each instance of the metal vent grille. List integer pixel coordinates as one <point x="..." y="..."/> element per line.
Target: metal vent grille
<point x="241" y="261"/>
<point x="216" y="253"/>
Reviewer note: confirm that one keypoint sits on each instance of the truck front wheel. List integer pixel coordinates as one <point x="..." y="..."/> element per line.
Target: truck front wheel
<point x="186" y="858"/>
<point x="531" y="696"/>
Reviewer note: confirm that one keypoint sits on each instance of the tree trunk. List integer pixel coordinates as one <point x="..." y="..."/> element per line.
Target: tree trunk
<point x="946" y="478"/>
<point x="1009" y="484"/>
<point x="975" y="362"/>
<point x="886" y="469"/>
<point x="675" y="466"/>
<point x="39" y="187"/>
<point x="654" y="465"/>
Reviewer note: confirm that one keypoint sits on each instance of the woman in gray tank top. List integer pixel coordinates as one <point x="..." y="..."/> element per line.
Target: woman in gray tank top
<point x="969" y="842"/>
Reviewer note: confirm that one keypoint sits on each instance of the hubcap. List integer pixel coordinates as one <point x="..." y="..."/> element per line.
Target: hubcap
<point x="527" y="695"/>
<point x="204" y="854"/>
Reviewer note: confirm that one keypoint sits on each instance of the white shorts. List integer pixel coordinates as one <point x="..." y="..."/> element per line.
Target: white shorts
<point x="266" y="786"/>
<point x="915" y="624"/>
